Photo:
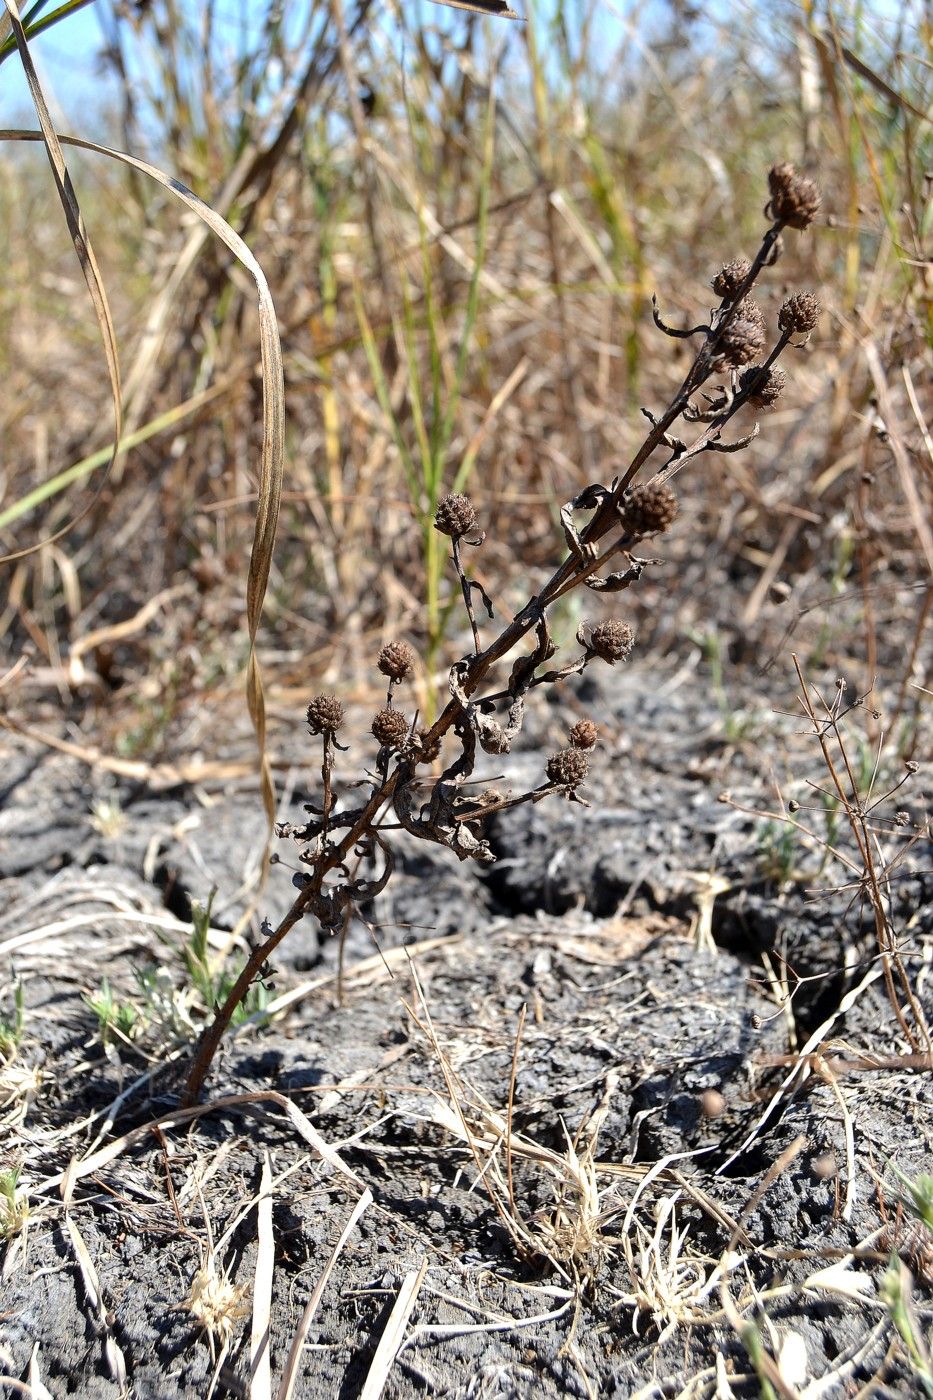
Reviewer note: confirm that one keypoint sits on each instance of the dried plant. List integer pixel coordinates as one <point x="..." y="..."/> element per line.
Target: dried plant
<point x="729" y="370"/>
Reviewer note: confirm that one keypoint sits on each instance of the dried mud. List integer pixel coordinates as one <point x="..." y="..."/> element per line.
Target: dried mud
<point x="607" y="991"/>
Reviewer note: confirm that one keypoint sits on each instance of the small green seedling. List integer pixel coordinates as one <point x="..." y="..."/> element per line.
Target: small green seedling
<point x="895" y="1293"/>
<point x="112" y="1016"/>
<point x="14" y="1205"/>
<point x="213" y="984"/>
<point x="11" y="1032"/>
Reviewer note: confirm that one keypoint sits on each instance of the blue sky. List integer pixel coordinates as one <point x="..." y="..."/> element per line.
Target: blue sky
<point x="66" y="58"/>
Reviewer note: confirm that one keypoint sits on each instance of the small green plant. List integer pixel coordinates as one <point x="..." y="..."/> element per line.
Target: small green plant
<point x="113" y="1017"/>
<point x="736" y="724"/>
<point x="916" y="1195"/>
<point x="213" y="984"/>
<point x="895" y="1293"/>
<point x="14" y="1205"/>
<point x="11" y="1032"/>
<point x="777" y="852"/>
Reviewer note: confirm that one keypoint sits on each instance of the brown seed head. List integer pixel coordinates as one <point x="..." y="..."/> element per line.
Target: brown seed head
<point x="649" y="508"/>
<point x="325" y="714"/>
<point x="795" y="200"/>
<point x="390" y="727"/>
<point x="584" y="734"/>
<point x="749" y="310"/>
<point x="612" y="640"/>
<point x="568" y="768"/>
<point x="455" y="516"/>
<point x="766" y="389"/>
<point x="741" y="341"/>
<point x="799" y="314"/>
<point x="729" y="278"/>
<point x="396" y="660"/>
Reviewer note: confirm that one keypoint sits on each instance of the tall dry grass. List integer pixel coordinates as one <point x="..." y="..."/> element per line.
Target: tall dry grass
<point x="462" y="224"/>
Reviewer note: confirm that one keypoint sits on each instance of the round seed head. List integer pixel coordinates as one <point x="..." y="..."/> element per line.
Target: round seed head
<point x="795" y="200"/>
<point x="741" y="341"/>
<point x="749" y="310"/>
<point x="584" y="734"/>
<point x="390" y="728"/>
<point x="325" y="714"/>
<point x="612" y="640"/>
<point x="766" y="388"/>
<point x="396" y="660"/>
<point x="568" y="768"/>
<point x="455" y="516"/>
<point x="649" y="508"/>
<point x="799" y="313"/>
<point x="729" y="278"/>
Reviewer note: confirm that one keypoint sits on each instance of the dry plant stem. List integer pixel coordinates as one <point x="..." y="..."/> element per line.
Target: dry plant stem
<point x="855" y="812"/>
<point x="466" y="590"/>
<point x="575" y="569"/>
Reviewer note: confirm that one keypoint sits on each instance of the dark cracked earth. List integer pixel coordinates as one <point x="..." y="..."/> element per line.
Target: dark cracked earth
<point x="636" y="1110"/>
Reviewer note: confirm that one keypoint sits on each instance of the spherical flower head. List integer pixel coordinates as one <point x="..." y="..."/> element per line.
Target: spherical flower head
<point x="455" y="516"/>
<point x="325" y="714"/>
<point x="584" y="734"/>
<point x="799" y="314"/>
<point x="396" y="660"/>
<point x="568" y="768"/>
<point x="390" y="728"/>
<point x="795" y="200"/>
<point x="741" y="341"/>
<point x="649" y="508"/>
<point x="749" y="310"/>
<point x="612" y="640"/>
<point x="766" y="388"/>
<point x="730" y="277"/>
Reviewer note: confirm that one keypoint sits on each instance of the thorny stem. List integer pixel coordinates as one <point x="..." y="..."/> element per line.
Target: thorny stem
<point x="569" y="574"/>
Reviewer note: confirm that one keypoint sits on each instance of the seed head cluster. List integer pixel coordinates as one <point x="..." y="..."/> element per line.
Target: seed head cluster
<point x="450" y="814"/>
<point x="325" y="714"/>
<point x="390" y="728"/>
<point x="396" y="660"/>
<point x="612" y="640"/>
<point x="455" y="516"/>
<point x="649" y="508"/>
<point x="795" y="200"/>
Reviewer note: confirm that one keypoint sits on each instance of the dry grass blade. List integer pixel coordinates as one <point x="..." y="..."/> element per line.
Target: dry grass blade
<point x="497" y="8"/>
<point x="292" y="1366"/>
<point x="115" y="1358"/>
<point x="273" y="425"/>
<point x="390" y="1342"/>
<point x="260" y="1361"/>
<point x="78" y="1170"/>
<point x="86" y="258"/>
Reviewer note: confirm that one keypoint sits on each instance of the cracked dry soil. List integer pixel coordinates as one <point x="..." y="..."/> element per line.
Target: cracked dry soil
<point x="595" y="994"/>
